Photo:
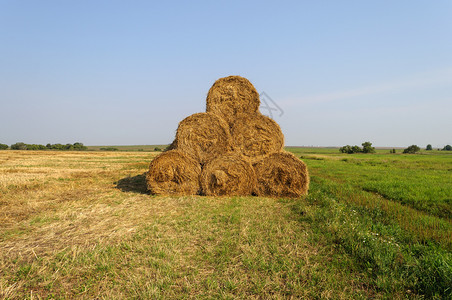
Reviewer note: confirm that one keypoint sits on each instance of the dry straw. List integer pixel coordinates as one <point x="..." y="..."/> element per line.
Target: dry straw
<point x="228" y="175"/>
<point x="203" y="136"/>
<point x="173" y="173"/>
<point x="232" y="96"/>
<point x="256" y="136"/>
<point x="282" y="175"/>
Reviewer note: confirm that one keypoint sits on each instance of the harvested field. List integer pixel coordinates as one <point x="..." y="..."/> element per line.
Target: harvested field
<point x="80" y="225"/>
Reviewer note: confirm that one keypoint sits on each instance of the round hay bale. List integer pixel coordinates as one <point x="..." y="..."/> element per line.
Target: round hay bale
<point x="282" y="175"/>
<point x="228" y="175"/>
<point x="257" y="136"/>
<point x="203" y="136"/>
<point x="232" y="96"/>
<point x="173" y="173"/>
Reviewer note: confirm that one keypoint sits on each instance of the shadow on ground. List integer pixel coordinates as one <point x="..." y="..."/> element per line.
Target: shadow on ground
<point x="136" y="184"/>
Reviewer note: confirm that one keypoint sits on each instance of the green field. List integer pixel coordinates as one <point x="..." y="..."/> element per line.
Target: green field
<point x="81" y="225"/>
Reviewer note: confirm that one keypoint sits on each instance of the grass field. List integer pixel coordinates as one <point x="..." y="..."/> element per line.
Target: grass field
<point x="81" y="225"/>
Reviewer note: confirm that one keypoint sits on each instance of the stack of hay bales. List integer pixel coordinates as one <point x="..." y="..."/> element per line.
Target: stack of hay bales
<point x="231" y="149"/>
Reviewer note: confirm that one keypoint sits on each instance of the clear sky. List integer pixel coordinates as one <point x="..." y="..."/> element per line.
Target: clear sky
<point x="126" y="72"/>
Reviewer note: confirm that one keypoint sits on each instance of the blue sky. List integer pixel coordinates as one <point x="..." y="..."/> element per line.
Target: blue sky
<point x="126" y="72"/>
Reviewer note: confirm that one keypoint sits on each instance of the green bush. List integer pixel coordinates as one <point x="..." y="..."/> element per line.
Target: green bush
<point x="3" y="146"/>
<point x="19" y="146"/>
<point x="447" y="148"/>
<point x="429" y="147"/>
<point x="109" y="149"/>
<point x="412" y="149"/>
<point x="367" y="147"/>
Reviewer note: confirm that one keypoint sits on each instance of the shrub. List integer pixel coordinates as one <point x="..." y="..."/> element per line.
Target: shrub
<point x="19" y="146"/>
<point x="412" y="149"/>
<point x="350" y="149"/>
<point x="367" y="147"/>
<point x="157" y="149"/>
<point x="429" y="147"/>
<point x="109" y="149"/>
<point x="447" y="148"/>
<point x="79" y="146"/>
<point x="3" y="146"/>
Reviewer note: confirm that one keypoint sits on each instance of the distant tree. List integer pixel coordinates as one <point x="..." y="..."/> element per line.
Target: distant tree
<point x="35" y="147"/>
<point x="412" y="149"/>
<point x="346" y="149"/>
<point x="109" y="149"/>
<point x="356" y="149"/>
<point x="350" y="149"/>
<point x="3" y="146"/>
<point x="429" y="147"/>
<point x="367" y="147"/>
<point x="19" y="146"/>
<point x="392" y="150"/>
<point x="157" y="149"/>
<point x="79" y="146"/>
<point x="447" y="148"/>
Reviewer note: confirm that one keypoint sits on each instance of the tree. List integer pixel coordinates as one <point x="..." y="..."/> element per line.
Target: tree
<point x="392" y="150"/>
<point x="356" y="149"/>
<point x="447" y="148"/>
<point x="157" y="149"/>
<point x="79" y="146"/>
<point x="350" y="149"/>
<point x="412" y="149"/>
<point x="367" y="147"/>
<point x="429" y="147"/>
<point x="3" y="146"/>
<point x="19" y="146"/>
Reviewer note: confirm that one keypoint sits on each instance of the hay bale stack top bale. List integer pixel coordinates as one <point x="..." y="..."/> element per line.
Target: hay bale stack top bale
<point x="282" y="175"/>
<point x="256" y="136"/>
<point x="231" y="96"/>
<point x="230" y="175"/>
<point x="203" y="136"/>
<point x="173" y="173"/>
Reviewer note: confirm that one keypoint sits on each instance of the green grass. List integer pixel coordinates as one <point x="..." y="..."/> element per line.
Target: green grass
<point x="80" y="225"/>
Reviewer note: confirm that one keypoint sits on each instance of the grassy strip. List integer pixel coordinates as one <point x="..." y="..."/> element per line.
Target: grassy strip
<point x="397" y="261"/>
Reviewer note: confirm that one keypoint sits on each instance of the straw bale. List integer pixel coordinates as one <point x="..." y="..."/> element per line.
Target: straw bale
<point x="228" y="175"/>
<point x="256" y="136"/>
<point x="203" y="136"/>
<point x="232" y="96"/>
<point x="282" y="175"/>
<point x="173" y="173"/>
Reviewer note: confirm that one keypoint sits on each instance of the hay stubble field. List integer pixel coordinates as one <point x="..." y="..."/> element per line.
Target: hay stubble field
<point x="81" y="225"/>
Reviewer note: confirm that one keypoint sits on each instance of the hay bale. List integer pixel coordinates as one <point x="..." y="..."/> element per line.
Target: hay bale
<point x="173" y="173"/>
<point x="228" y="175"/>
<point x="232" y="96"/>
<point x="257" y="136"/>
<point x="282" y="175"/>
<point x="203" y="136"/>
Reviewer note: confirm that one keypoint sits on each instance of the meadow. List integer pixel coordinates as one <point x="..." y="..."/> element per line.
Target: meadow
<point x="81" y="225"/>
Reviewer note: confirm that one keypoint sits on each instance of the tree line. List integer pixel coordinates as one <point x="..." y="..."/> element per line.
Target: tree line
<point x="22" y="146"/>
<point x="367" y="148"/>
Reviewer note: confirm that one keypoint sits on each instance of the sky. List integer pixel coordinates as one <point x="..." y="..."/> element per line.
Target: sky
<point x="126" y="72"/>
